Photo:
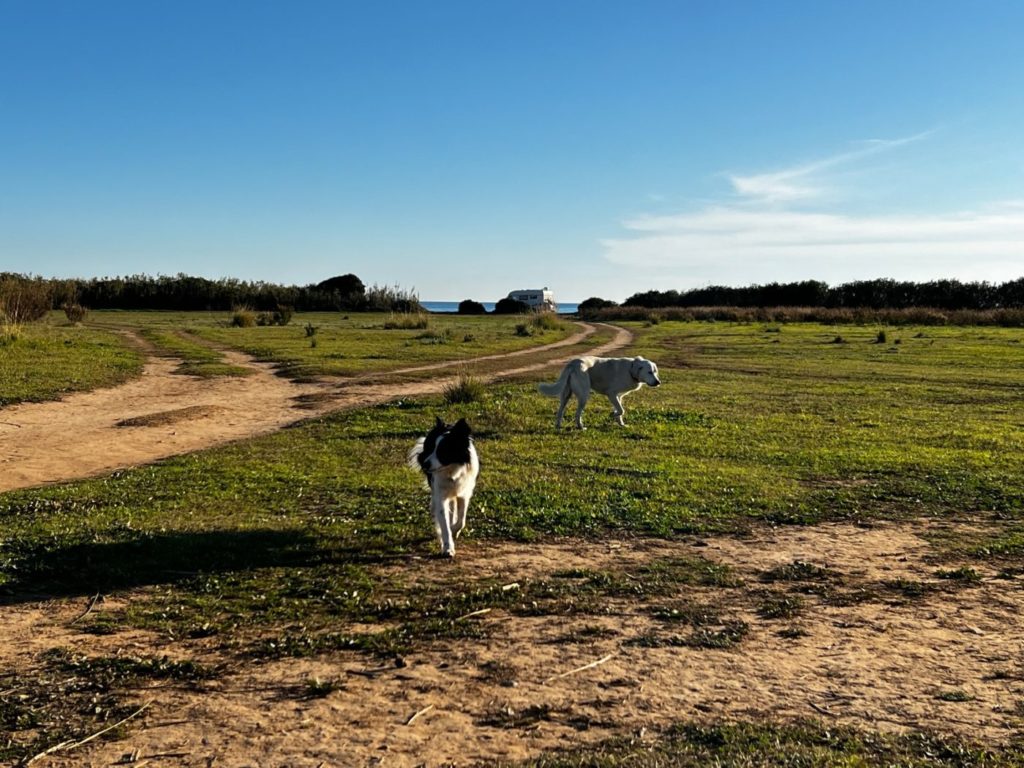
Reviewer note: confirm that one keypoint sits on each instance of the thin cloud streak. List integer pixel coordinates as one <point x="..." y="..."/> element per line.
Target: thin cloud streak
<point x="796" y="183"/>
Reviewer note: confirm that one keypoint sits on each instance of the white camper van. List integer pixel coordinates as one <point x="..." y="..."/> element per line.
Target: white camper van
<point x="536" y="298"/>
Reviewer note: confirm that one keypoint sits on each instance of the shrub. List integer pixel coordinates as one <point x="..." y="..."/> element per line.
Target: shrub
<point x="881" y="338"/>
<point x="243" y="317"/>
<point x="511" y="307"/>
<point x="392" y="299"/>
<point x="470" y="307"/>
<point x="522" y="329"/>
<point x="311" y="330"/>
<point x="546" y="321"/>
<point x="9" y="332"/>
<point x="23" y="299"/>
<point x="594" y="304"/>
<point x="345" y="291"/>
<point x="407" y="321"/>
<point x="465" y="389"/>
<point x="75" y="313"/>
<point x="436" y="337"/>
<point x="1009" y="317"/>
<point x="283" y="314"/>
<point x="280" y="316"/>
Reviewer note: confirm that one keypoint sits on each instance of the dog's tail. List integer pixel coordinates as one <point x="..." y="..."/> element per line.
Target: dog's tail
<point x="414" y="454"/>
<point x="556" y="389"/>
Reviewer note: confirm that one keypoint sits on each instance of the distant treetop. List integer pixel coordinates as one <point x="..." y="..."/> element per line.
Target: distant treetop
<point x="346" y="285"/>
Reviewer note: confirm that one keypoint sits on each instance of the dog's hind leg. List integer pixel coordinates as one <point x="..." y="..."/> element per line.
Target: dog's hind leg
<point x="461" y="505"/>
<point x="580" y="384"/>
<point x="564" y="401"/>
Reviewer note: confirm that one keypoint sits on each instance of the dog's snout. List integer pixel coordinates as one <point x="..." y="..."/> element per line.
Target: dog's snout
<point x="657" y="382"/>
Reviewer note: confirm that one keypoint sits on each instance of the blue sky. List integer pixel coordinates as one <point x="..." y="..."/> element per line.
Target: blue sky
<point x="469" y="148"/>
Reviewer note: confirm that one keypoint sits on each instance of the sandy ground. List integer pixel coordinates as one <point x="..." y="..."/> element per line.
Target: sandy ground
<point x="162" y="413"/>
<point x="878" y="665"/>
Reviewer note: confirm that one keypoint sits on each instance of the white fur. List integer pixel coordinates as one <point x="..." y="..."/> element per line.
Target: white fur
<point x="451" y="488"/>
<point x="614" y="377"/>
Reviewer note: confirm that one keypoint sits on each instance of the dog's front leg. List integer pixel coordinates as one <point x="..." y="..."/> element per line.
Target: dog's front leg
<point x="618" y="410"/>
<point x="442" y="520"/>
<point x="461" y="505"/>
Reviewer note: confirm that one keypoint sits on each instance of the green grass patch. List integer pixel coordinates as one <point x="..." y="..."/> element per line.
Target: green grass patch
<point x="48" y="360"/>
<point x="345" y="345"/>
<point x="198" y="359"/>
<point x="801" y="745"/>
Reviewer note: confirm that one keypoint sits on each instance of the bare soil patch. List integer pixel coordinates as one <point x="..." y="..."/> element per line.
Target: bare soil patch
<point x="170" y="414"/>
<point x="171" y="417"/>
<point x="886" y="660"/>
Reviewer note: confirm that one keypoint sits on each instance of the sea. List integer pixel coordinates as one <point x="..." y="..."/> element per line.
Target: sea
<point x="564" y="308"/>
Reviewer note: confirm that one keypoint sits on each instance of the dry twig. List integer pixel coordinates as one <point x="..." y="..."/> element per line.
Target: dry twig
<point x="423" y="711"/>
<point x="591" y="665"/>
<point x="72" y="744"/>
<point x="88" y="610"/>
<point x="481" y="612"/>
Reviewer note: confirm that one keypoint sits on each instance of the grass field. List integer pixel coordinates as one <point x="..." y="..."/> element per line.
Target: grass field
<point x="292" y="545"/>
<point x="51" y="359"/>
<point x="344" y="345"/>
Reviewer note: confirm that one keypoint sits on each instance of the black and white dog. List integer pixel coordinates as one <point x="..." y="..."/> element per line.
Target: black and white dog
<point x="449" y="461"/>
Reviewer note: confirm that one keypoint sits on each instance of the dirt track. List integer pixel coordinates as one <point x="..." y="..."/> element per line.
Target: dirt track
<point x="168" y="414"/>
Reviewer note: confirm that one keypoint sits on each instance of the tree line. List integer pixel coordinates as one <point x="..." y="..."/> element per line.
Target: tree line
<point x="872" y="294"/>
<point x="185" y="292"/>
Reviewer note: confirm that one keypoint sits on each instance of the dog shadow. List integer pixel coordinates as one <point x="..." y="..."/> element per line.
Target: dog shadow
<point x="103" y="567"/>
<point x="81" y="569"/>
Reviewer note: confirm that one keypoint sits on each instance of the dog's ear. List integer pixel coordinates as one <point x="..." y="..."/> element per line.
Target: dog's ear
<point x="462" y="426"/>
<point x="438" y="423"/>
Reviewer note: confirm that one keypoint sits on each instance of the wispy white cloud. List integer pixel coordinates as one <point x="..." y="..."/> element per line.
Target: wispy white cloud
<point x="771" y="233"/>
<point x="735" y="245"/>
<point x="804" y="181"/>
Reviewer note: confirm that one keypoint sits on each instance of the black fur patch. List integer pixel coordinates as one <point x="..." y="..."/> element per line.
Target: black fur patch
<point x="453" y="449"/>
<point x="429" y="443"/>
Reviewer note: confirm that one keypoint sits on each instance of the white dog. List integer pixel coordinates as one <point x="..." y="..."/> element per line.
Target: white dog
<point x="614" y="377"/>
<point x="450" y="463"/>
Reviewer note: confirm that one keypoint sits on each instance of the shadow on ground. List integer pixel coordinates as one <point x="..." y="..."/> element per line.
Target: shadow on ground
<point x="100" y="567"/>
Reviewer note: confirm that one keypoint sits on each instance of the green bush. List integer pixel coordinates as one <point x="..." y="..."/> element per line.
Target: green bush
<point x="243" y="317"/>
<point x="23" y="299"/>
<point x="511" y="307"/>
<point x="74" y="312"/>
<point x="465" y="389"/>
<point x="407" y="321"/>
<point x="546" y="321"/>
<point x="593" y="304"/>
<point x="435" y="337"/>
<point x="391" y="299"/>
